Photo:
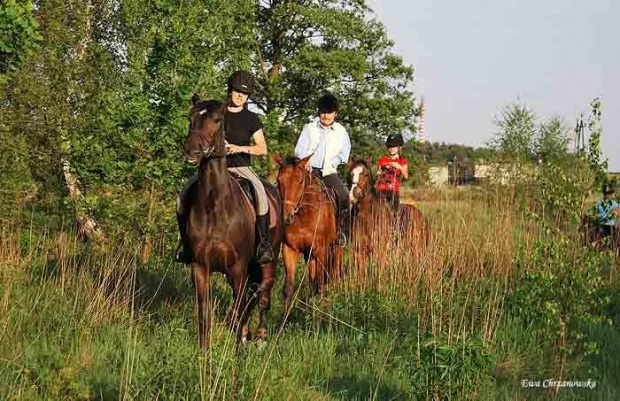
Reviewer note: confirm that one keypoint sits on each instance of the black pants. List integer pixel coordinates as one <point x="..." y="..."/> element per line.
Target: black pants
<point x="391" y="197"/>
<point x="336" y="186"/>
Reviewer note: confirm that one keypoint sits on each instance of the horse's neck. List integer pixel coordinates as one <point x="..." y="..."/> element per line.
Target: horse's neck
<point x="369" y="198"/>
<point x="315" y="191"/>
<point x="214" y="179"/>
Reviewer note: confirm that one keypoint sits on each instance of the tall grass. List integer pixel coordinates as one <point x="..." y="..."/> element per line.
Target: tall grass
<point x="83" y="323"/>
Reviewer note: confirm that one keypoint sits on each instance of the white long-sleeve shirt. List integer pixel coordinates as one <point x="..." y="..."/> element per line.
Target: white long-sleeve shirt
<point x="329" y="146"/>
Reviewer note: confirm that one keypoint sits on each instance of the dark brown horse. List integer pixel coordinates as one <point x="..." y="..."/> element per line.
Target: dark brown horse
<point x="221" y="227"/>
<point x="310" y="230"/>
<point x="374" y="221"/>
<point x="593" y="233"/>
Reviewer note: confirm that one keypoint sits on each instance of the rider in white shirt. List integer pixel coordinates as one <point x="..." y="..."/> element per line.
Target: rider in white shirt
<point x="329" y="144"/>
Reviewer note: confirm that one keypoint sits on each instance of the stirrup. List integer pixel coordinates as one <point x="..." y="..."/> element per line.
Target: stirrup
<point x="341" y="239"/>
<point x="264" y="253"/>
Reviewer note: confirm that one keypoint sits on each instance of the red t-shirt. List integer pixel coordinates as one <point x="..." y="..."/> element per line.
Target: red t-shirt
<point x="389" y="178"/>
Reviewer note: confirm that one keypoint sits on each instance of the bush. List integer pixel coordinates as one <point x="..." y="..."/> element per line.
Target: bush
<point x="560" y="290"/>
<point x="457" y="370"/>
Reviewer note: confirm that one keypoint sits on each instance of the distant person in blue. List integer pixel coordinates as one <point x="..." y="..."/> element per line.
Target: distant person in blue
<point x="329" y="144"/>
<point x="607" y="209"/>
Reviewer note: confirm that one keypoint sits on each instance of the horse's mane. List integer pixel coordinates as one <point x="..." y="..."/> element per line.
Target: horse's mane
<point x="205" y="109"/>
<point x="366" y="165"/>
<point x="290" y="161"/>
<point x="208" y="105"/>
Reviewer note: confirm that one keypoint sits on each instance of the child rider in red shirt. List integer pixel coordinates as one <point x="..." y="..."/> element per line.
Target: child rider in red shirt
<point x="391" y="168"/>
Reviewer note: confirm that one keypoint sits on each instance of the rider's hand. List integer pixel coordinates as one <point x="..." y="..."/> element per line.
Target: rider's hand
<point x="232" y="149"/>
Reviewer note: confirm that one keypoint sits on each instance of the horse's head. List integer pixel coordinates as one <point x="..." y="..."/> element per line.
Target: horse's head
<point x="206" y="134"/>
<point x="292" y="181"/>
<point x="361" y="179"/>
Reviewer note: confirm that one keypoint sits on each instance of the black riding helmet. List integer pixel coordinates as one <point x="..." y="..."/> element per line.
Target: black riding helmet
<point x="243" y="81"/>
<point x="328" y="103"/>
<point x="608" y="189"/>
<point x="394" y="140"/>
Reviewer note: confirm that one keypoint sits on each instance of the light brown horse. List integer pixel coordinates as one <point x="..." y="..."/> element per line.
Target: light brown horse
<point x="221" y="227"/>
<point x="375" y="223"/>
<point x="310" y="226"/>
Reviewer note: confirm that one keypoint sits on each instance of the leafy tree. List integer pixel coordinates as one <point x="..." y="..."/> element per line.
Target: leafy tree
<point x="45" y="96"/>
<point x="307" y="47"/>
<point x="102" y="107"/>
<point x="18" y="35"/>
<point x="598" y="165"/>
<point x="551" y="141"/>
<point x="516" y="132"/>
<point x="171" y="49"/>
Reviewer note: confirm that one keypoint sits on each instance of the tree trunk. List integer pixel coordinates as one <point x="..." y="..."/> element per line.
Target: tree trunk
<point x="87" y="226"/>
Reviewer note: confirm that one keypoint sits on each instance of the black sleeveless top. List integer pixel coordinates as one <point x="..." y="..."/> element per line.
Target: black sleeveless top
<point x="239" y="130"/>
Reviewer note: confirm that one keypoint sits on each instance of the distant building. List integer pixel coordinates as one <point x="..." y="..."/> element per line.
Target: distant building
<point x="469" y="173"/>
<point x="439" y="175"/>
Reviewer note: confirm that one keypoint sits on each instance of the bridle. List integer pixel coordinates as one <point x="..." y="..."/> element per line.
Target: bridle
<point x="290" y="218"/>
<point x="208" y="152"/>
<point x="355" y="184"/>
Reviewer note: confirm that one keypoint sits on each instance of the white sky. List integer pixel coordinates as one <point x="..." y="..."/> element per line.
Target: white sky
<point x="472" y="57"/>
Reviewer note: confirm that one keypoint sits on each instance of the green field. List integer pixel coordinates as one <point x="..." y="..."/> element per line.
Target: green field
<point x="493" y="302"/>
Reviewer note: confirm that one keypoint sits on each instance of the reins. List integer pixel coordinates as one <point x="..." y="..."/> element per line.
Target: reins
<point x="206" y="153"/>
<point x="297" y="205"/>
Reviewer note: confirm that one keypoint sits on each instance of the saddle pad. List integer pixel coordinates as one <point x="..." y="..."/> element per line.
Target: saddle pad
<point x="250" y="198"/>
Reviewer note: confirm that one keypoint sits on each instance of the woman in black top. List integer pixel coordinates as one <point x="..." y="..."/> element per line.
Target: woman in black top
<point x="241" y="127"/>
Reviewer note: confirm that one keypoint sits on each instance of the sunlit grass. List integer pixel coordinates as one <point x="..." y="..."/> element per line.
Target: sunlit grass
<point x="82" y="323"/>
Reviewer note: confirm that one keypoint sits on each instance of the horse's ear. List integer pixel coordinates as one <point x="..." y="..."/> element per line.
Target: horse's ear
<point x="305" y="161"/>
<point x="277" y="159"/>
<point x="223" y="108"/>
<point x="350" y="163"/>
<point x="369" y="161"/>
<point x="195" y="99"/>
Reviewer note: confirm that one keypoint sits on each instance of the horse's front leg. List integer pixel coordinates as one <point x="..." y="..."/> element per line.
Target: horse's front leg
<point x="203" y="295"/>
<point x="238" y="280"/>
<point x="289" y="257"/>
<point x="314" y="274"/>
<point x="264" y="294"/>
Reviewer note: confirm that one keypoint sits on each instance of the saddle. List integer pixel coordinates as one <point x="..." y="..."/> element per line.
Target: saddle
<point x="331" y="195"/>
<point x="250" y="196"/>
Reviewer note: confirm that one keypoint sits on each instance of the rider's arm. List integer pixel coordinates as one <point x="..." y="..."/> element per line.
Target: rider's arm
<point x="405" y="170"/>
<point x="345" y="149"/>
<point x="602" y="213"/>
<point x="303" y="144"/>
<point x="260" y="145"/>
<point x="258" y="149"/>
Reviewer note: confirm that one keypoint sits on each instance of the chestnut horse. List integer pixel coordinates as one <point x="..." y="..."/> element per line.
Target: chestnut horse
<point x="221" y="226"/>
<point x="310" y="226"/>
<point x="374" y="221"/>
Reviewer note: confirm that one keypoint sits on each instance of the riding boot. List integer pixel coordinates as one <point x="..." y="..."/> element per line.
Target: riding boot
<point x="344" y="226"/>
<point x="264" y="252"/>
<point x="183" y="253"/>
